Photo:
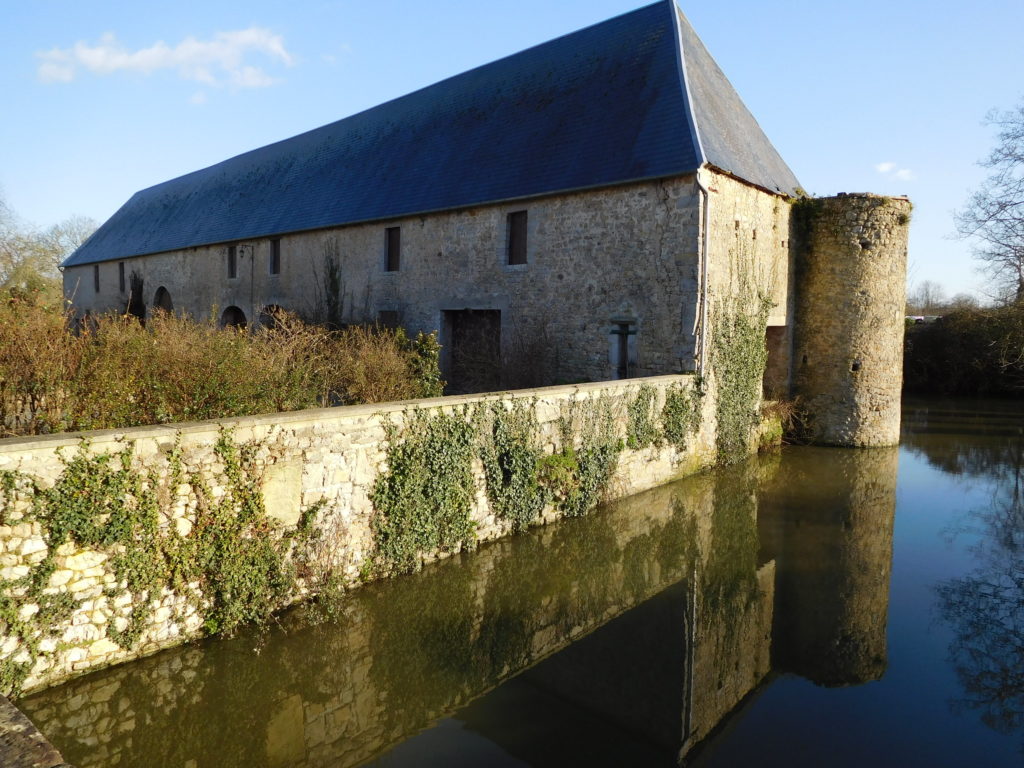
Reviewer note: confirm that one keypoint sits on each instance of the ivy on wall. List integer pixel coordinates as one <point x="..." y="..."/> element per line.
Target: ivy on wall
<point x="423" y="502"/>
<point x="682" y="414"/>
<point x="415" y="515"/>
<point x="738" y="359"/>
<point x="511" y="453"/>
<point x="230" y="565"/>
<point x="642" y="427"/>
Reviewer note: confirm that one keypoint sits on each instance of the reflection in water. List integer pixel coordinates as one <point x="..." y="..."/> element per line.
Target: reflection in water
<point x="623" y="637"/>
<point x="832" y="535"/>
<point x="985" y="607"/>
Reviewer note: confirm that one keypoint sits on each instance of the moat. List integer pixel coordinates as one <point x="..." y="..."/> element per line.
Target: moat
<point x="812" y="607"/>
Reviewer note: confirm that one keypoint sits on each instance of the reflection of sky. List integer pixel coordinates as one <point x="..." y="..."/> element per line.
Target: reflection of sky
<point x="905" y="719"/>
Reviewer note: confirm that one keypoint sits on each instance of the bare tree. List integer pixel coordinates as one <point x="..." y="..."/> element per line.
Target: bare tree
<point x="994" y="214"/>
<point x="29" y="257"/>
<point x="927" y="298"/>
<point x="964" y="301"/>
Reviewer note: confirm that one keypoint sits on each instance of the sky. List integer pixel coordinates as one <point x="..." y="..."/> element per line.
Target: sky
<point x="106" y="97"/>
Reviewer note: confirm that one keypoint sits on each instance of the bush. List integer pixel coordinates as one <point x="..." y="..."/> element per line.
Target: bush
<point x="112" y="372"/>
<point x="967" y="352"/>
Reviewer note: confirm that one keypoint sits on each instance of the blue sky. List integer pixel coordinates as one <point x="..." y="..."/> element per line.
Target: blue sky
<point x="105" y="97"/>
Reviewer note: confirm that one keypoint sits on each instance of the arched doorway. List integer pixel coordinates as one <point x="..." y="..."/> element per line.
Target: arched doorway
<point x="162" y="300"/>
<point x="232" y="317"/>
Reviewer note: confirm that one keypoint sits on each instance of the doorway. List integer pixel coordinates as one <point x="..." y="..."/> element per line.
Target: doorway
<point x="472" y="350"/>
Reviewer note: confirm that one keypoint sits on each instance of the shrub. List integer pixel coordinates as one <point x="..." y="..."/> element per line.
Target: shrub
<point x="967" y="352"/>
<point x="112" y="372"/>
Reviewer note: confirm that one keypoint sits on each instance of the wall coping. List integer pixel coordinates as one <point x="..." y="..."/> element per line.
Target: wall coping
<point x="342" y="412"/>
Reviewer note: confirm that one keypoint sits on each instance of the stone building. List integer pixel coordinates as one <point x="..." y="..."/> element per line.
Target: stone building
<point x="578" y="211"/>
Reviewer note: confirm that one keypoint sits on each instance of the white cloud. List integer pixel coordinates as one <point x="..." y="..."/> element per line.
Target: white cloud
<point x="216" y="62"/>
<point x="892" y="171"/>
<point x="199" y="97"/>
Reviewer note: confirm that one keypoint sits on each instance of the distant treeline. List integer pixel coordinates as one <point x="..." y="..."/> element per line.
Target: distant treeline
<point x="969" y="351"/>
<point x="61" y="374"/>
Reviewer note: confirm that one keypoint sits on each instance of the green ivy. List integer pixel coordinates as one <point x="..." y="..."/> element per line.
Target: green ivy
<point x="232" y="551"/>
<point x="422" y="502"/>
<point x="682" y="414"/>
<point x="511" y="455"/>
<point x="104" y="502"/>
<point x="738" y="358"/>
<point x="642" y="428"/>
<point x="578" y="477"/>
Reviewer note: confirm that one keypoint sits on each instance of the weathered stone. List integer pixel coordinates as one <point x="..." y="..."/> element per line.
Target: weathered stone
<point x="103" y="647"/>
<point x="282" y="491"/>
<point x="14" y="572"/>
<point x="85" y="560"/>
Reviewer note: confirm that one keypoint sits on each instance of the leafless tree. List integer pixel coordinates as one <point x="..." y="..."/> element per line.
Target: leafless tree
<point x="29" y="257"/>
<point x="927" y="298"/>
<point x="994" y="215"/>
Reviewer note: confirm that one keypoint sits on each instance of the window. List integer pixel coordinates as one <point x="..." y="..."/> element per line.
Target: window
<point x="275" y="256"/>
<point x="393" y="240"/>
<point x="232" y="262"/>
<point x="388" y="318"/>
<point x="96" y="277"/>
<point x="120" y="276"/>
<point x="624" y="348"/>
<point x="517" y="237"/>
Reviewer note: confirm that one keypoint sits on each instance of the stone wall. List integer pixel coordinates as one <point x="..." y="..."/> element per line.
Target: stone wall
<point x="749" y="249"/>
<point x="402" y="654"/>
<point x="851" y="277"/>
<point x="626" y="253"/>
<point x="311" y="467"/>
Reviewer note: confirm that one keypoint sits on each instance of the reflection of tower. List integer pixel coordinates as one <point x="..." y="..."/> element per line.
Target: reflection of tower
<point x="831" y="533"/>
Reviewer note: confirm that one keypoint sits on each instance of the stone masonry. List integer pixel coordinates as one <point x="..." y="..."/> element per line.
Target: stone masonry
<point x="848" y="357"/>
<point x="330" y="456"/>
<point x="593" y="258"/>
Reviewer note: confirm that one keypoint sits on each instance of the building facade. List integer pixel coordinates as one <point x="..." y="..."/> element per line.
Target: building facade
<point x="578" y="211"/>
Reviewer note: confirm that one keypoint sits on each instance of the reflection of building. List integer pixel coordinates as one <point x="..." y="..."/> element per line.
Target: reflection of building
<point x="831" y="533"/>
<point x="639" y="628"/>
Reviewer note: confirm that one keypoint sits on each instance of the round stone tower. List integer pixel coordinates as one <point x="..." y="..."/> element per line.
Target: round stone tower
<point x="851" y="295"/>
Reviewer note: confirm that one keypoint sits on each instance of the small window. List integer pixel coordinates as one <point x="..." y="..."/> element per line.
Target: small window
<point x="623" y="350"/>
<point x="232" y="262"/>
<point x="96" y="277"/>
<point x="393" y="239"/>
<point x="517" y="237"/>
<point x="388" y="318"/>
<point x="120" y="276"/>
<point x="275" y="256"/>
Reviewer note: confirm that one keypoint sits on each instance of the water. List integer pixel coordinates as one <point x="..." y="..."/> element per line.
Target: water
<point x="818" y="607"/>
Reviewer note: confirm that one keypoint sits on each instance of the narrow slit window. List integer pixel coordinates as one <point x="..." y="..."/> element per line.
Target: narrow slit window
<point x="393" y="241"/>
<point x="96" y="277"/>
<point x="517" y="237"/>
<point x="120" y="276"/>
<point x="232" y="262"/>
<point x="275" y="256"/>
<point x="624" y="366"/>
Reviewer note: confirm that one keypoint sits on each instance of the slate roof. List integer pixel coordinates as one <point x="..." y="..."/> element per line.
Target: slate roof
<point x="609" y="104"/>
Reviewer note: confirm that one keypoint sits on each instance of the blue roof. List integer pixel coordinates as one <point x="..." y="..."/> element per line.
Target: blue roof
<point x="601" y="106"/>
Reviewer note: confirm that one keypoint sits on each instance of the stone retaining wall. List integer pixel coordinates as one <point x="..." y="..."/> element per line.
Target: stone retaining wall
<point x="319" y="463"/>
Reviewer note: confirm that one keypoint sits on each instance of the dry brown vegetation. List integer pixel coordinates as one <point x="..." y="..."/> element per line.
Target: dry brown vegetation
<point x="112" y="372"/>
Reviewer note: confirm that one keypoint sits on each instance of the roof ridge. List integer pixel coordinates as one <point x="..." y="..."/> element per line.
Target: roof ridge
<point x="677" y="17"/>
